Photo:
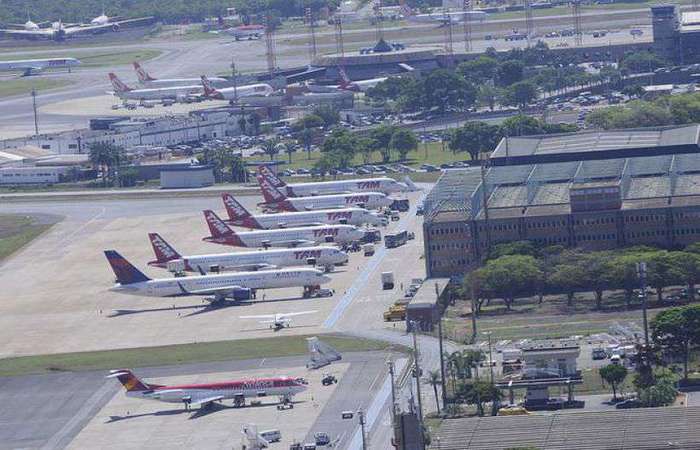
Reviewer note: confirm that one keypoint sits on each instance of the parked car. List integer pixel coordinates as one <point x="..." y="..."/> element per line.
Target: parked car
<point x="628" y="404"/>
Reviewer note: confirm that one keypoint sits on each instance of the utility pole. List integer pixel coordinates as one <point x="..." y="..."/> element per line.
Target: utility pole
<point x="361" y="415"/>
<point x="312" y="35"/>
<point x="442" y="355"/>
<point x="642" y="274"/>
<point x="467" y="7"/>
<point x="235" y="81"/>
<point x="36" y="120"/>
<point x="393" y="391"/>
<point x="417" y="373"/>
<point x="488" y="333"/>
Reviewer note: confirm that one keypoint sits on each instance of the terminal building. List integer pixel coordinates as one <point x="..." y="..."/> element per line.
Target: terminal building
<point x="595" y="190"/>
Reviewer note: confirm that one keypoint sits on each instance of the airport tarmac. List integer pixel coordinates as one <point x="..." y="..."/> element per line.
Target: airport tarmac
<point x="86" y="410"/>
<point x="56" y="297"/>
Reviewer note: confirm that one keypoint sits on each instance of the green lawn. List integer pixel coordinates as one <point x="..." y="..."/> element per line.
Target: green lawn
<point x="19" y="86"/>
<point x="272" y="347"/>
<point x="17" y="231"/>
<point x="95" y="59"/>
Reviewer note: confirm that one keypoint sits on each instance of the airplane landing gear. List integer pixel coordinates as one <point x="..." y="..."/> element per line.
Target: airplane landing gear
<point x="285" y="403"/>
<point x="238" y="401"/>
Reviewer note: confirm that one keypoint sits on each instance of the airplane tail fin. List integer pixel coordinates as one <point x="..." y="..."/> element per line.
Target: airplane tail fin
<point x="270" y="193"/>
<point x="141" y="73"/>
<point x="209" y="91"/>
<point x="130" y="381"/>
<point x="345" y="80"/>
<point x="265" y="171"/>
<point x="237" y="213"/>
<point x="411" y="186"/>
<point x="217" y="227"/>
<point x="117" y="84"/>
<point x="126" y="273"/>
<point x="164" y="251"/>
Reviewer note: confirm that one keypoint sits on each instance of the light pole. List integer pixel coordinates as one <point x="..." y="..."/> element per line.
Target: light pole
<point x="393" y="391"/>
<point x="442" y="355"/>
<point x="417" y="373"/>
<point x="361" y="416"/>
<point x="642" y="274"/>
<point x="36" y="121"/>
<point x="488" y="333"/>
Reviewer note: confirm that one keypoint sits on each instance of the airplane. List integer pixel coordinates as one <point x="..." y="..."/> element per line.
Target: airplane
<point x="148" y="81"/>
<point x="59" y="31"/>
<point x="326" y="257"/>
<point x="132" y="281"/>
<point x="239" y="215"/>
<point x="233" y="93"/>
<point x="346" y="84"/>
<point x="384" y="185"/>
<point x="33" y="66"/>
<point x="204" y="395"/>
<point x="278" y="201"/>
<point x="124" y="92"/>
<point x="278" y="321"/>
<point x="444" y="18"/>
<point x="247" y="31"/>
<point x="286" y="237"/>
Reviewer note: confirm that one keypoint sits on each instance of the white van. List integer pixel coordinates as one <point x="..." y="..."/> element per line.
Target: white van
<point x="271" y="435"/>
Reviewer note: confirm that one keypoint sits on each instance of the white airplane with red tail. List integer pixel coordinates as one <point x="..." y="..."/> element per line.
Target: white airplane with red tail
<point x="167" y="257"/>
<point x="240" y="216"/>
<point x="204" y="395"/>
<point x="287" y="237"/>
<point x="234" y="93"/>
<point x="147" y="80"/>
<point x="384" y="185"/>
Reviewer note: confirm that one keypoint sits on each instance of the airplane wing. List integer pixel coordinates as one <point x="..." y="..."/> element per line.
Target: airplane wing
<point x="219" y="292"/>
<point x="204" y="398"/>
<point x="299" y="313"/>
<point x="292" y="243"/>
<point x="253" y="267"/>
<point x="27" y="33"/>
<point x="78" y="29"/>
<point x="261" y="316"/>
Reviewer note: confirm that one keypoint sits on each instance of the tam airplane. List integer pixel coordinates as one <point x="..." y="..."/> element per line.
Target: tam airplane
<point x="277" y="200"/>
<point x="239" y="215"/>
<point x="59" y="31"/>
<point x="204" y="395"/>
<point x="247" y="261"/>
<point x="231" y="93"/>
<point x="249" y="32"/>
<point x="132" y="281"/>
<point x="124" y="92"/>
<point x="32" y="66"/>
<point x="444" y="18"/>
<point x="346" y="84"/>
<point x="384" y="185"/>
<point x="287" y="237"/>
<point x="147" y="80"/>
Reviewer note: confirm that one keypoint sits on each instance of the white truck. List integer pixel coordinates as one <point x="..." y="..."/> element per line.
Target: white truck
<point x="387" y="280"/>
<point x="368" y="249"/>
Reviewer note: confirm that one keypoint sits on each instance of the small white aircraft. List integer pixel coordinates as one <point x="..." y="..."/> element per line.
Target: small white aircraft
<point x="278" y="321"/>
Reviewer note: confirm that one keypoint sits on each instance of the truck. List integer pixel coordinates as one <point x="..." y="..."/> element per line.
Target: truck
<point x="395" y="313"/>
<point x="387" y="280"/>
<point x="368" y="249"/>
<point x="400" y="205"/>
<point x="396" y="239"/>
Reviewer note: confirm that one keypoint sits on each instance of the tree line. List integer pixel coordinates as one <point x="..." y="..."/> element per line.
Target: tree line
<point x="519" y="270"/>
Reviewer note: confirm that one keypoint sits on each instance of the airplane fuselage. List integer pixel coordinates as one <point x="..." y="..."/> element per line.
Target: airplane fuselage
<point x="369" y="200"/>
<point x="350" y="216"/>
<point x="382" y="185"/>
<point x="290" y="237"/>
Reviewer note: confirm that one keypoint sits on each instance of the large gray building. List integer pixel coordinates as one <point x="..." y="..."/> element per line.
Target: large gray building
<point x="596" y="200"/>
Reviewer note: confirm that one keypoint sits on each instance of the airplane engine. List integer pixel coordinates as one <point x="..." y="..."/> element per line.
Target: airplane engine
<point x="115" y="27"/>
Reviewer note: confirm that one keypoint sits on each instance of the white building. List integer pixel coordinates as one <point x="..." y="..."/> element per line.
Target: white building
<point x="32" y="175"/>
<point x="550" y="358"/>
<point x="186" y="177"/>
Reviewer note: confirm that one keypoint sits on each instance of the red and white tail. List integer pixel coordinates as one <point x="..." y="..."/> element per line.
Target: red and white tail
<point x="130" y="381"/>
<point x="270" y="193"/>
<point x="271" y="177"/>
<point x="217" y="227"/>
<point x="118" y="84"/>
<point x="141" y="73"/>
<point x="209" y="91"/>
<point x="237" y="213"/>
<point x="164" y="251"/>
<point x="344" y="79"/>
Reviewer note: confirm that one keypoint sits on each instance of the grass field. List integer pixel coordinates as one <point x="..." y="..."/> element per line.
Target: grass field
<point x="96" y="59"/>
<point x="19" y="86"/>
<point x="180" y="354"/>
<point x="18" y="231"/>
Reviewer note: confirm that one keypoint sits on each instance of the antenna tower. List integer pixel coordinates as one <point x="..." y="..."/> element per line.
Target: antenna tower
<point x="467" y="25"/>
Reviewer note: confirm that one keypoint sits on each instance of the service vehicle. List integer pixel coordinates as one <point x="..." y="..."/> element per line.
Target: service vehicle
<point x="396" y="239"/>
<point x="368" y="249"/>
<point x="271" y="435"/>
<point x="395" y="313"/>
<point x="387" y="280"/>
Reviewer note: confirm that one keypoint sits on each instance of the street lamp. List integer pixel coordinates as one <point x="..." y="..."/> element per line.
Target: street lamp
<point x="488" y="333"/>
<point x="361" y="416"/>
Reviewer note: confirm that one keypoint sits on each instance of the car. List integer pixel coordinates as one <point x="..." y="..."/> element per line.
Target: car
<point x="328" y="379"/>
<point x="629" y="404"/>
<point x="323" y="292"/>
<point x="322" y="438"/>
<point x="599" y="353"/>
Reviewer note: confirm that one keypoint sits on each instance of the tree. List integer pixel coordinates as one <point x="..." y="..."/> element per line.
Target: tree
<point x="641" y="62"/>
<point x="509" y="72"/>
<point x="312" y="121"/>
<point x="522" y="125"/>
<point x="661" y="393"/>
<point x="328" y="114"/>
<point x="434" y="378"/>
<point x="489" y="95"/>
<point x="514" y="248"/>
<point x="569" y="278"/>
<point x="623" y="274"/>
<point x="688" y="267"/>
<point x="661" y="272"/>
<point x="478" y="393"/>
<point x="675" y="330"/>
<point x="511" y="276"/>
<point x="521" y="94"/>
<point x="254" y="121"/>
<point x="479" y="70"/>
<point x="271" y="147"/>
<point x="444" y="90"/>
<point x="306" y="138"/>
<point x="474" y="138"/>
<point x="380" y="140"/>
<point x="403" y="141"/>
<point x="613" y="374"/>
<point x="289" y="150"/>
<point x="242" y="122"/>
<point x="633" y="90"/>
<point x="598" y="269"/>
<point x="106" y="157"/>
<point x="341" y="144"/>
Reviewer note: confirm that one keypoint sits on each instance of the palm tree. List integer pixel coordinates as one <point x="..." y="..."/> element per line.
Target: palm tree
<point x="270" y="147"/>
<point x="105" y="156"/>
<point x="434" y="379"/>
<point x="289" y="149"/>
<point x="306" y="138"/>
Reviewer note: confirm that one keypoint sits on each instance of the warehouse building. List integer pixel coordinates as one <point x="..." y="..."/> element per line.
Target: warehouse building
<point x="594" y="200"/>
<point x="186" y="177"/>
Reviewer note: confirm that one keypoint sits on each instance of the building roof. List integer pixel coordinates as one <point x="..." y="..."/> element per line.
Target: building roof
<point x="425" y="295"/>
<point x="596" y="144"/>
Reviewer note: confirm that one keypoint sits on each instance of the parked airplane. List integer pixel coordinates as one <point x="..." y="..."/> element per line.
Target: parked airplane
<point x="124" y="92"/>
<point x="278" y="321"/>
<point x="326" y="257"/>
<point x="249" y="32"/>
<point x="287" y="237"/>
<point x="277" y="200"/>
<point x="132" y="281"/>
<point x="148" y="81"/>
<point x="444" y="18"/>
<point x="205" y="394"/>
<point x="233" y="93"/>
<point x="33" y="66"/>
<point x="346" y="84"/>
<point x="59" y="31"/>
<point x="239" y="215"/>
<point x="381" y="184"/>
